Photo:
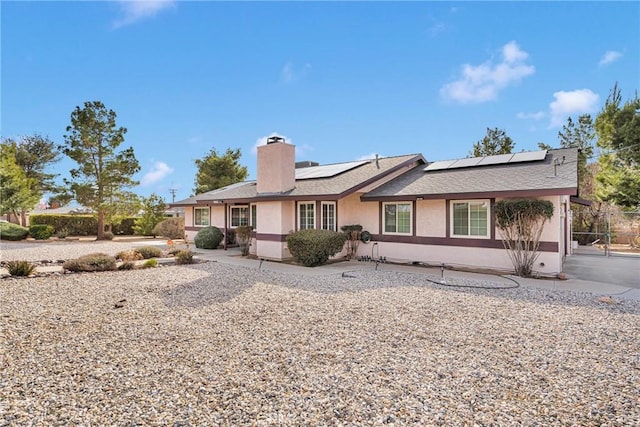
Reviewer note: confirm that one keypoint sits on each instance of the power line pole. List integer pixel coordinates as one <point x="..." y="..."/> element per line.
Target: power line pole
<point x="173" y="193"/>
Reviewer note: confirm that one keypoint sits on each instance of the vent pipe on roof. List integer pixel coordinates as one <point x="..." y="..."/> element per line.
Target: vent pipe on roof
<point x="377" y="163"/>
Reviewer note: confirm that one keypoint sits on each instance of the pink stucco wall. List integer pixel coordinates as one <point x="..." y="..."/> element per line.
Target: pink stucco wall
<point x="275" y="219"/>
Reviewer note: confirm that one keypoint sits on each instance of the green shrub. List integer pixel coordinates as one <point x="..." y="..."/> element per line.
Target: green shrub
<point x="125" y="228"/>
<point x="130" y="255"/>
<point x="91" y="262"/>
<point x="76" y="225"/>
<point x="41" y="231"/>
<point x="243" y="235"/>
<point x="127" y="265"/>
<point x="184" y="256"/>
<point x="170" y="228"/>
<point x="108" y="235"/>
<point x="62" y="233"/>
<point x="10" y="231"/>
<point x="20" y="268"/>
<point x="152" y="212"/>
<point x="149" y="252"/>
<point x="314" y="247"/>
<point x="208" y="238"/>
<point x="150" y="263"/>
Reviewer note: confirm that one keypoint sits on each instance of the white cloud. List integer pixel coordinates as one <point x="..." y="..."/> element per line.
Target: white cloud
<point x="483" y="82"/>
<point x="137" y="10"/>
<point x="157" y="172"/>
<point x="288" y="73"/>
<point x="609" y="57"/>
<point x="538" y="115"/>
<point x="571" y="103"/>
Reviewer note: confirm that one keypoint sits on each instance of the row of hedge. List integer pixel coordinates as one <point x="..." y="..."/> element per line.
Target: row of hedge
<point x="79" y="225"/>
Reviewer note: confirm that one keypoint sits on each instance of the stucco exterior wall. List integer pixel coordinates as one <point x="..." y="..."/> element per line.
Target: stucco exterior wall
<point x="352" y="211"/>
<point x="216" y="219"/>
<point x="457" y="256"/>
<point x="431" y="218"/>
<point x="275" y="221"/>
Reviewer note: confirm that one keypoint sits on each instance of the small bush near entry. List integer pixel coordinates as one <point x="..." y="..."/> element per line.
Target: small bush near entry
<point x="314" y="247"/>
<point x="208" y="238"/>
<point x="41" y="231"/>
<point x="184" y="256"/>
<point x="170" y="228"/>
<point x="91" y="262"/>
<point x="108" y="235"/>
<point x="10" y="231"/>
<point x="243" y="234"/>
<point x="149" y="252"/>
<point x="150" y="263"/>
<point x="20" y="268"/>
<point x="127" y="265"/>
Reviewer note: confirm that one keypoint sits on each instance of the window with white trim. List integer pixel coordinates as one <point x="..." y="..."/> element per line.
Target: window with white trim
<point x="397" y="217"/>
<point x="470" y="218"/>
<point x="306" y="215"/>
<point x="239" y="216"/>
<point x="201" y="217"/>
<point x="328" y="216"/>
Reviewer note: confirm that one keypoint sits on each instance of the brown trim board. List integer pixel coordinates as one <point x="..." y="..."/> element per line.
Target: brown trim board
<point x="451" y="241"/>
<point x="269" y="237"/>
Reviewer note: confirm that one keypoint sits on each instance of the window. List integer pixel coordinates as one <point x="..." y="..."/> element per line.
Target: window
<point x="397" y="218"/>
<point x="201" y="217"/>
<point x="470" y="219"/>
<point x="239" y="216"/>
<point x="254" y="216"/>
<point x="306" y="215"/>
<point x="328" y="216"/>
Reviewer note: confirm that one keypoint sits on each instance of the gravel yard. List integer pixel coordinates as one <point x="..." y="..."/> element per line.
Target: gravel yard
<point x="218" y="344"/>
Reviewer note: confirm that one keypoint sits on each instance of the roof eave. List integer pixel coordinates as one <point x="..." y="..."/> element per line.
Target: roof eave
<point x="569" y="191"/>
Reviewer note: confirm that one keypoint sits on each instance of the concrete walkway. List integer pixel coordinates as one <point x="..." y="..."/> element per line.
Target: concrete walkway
<point x="590" y="264"/>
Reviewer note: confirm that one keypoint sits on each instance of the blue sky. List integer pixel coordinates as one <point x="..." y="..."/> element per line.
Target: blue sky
<point x="340" y="80"/>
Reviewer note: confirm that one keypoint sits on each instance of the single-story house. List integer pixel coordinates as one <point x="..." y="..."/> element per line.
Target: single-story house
<point x="415" y="210"/>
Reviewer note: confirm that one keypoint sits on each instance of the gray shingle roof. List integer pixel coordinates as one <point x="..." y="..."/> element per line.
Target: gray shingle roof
<point x="329" y="188"/>
<point x="536" y="177"/>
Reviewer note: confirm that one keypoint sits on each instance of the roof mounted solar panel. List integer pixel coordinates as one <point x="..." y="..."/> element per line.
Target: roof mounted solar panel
<point x="327" y="171"/>
<point x="466" y="163"/>
<point x="439" y="165"/>
<point x="529" y="156"/>
<point x="496" y="160"/>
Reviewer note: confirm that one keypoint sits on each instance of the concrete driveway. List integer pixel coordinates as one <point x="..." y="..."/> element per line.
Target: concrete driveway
<point x="591" y="264"/>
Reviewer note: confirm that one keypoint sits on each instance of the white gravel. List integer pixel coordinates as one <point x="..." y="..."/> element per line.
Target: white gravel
<point x="218" y="344"/>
